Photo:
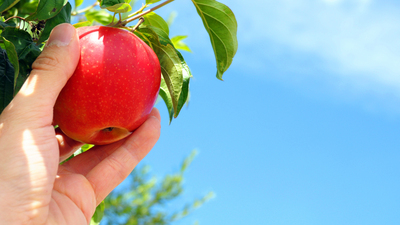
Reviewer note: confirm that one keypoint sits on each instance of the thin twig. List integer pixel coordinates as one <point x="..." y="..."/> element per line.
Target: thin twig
<point x="13" y="17"/>
<point x="141" y="20"/>
<point x="145" y="12"/>
<point x="85" y="9"/>
<point x="137" y="12"/>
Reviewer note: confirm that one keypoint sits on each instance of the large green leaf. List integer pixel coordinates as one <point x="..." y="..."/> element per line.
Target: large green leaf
<point x="12" y="55"/>
<point x="120" y="8"/>
<point x="186" y="74"/>
<point x="22" y="41"/>
<point x="155" y="20"/>
<point x="3" y="24"/>
<point x="166" y="96"/>
<point x="64" y="16"/>
<point x="27" y="52"/>
<point x="7" y="4"/>
<point x="176" y="73"/>
<point x="183" y="98"/>
<point x="6" y="80"/>
<point x="107" y="3"/>
<point x="171" y="67"/>
<point x="100" y="16"/>
<point x="27" y="7"/>
<point x="47" y="9"/>
<point x="221" y="25"/>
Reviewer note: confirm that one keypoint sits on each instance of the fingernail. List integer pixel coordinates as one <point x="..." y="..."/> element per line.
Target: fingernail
<point x="61" y="35"/>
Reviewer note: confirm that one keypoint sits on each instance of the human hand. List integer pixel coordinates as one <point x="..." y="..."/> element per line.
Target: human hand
<point x="34" y="188"/>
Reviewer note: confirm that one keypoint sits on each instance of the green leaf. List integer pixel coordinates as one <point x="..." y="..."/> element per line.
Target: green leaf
<point x="78" y="3"/>
<point x="148" y="2"/>
<point x="64" y="16"/>
<point x="171" y="18"/>
<point x="183" y="98"/>
<point x="28" y="7"/>
<point x="22" y="41"/>
<point x="86" y="147"/>
<point x="107" y="3"/>
<point x="166" y="96"/>
<point x="81" y="150"/>
<point x="221" y="25"/>
<point x="188" y="160"/>
<point x="82" y="24"/>
<point x="162" y="35"/>
<point x="132" y="4"/>
<point x="179" y="44"/>
<point x="47" y="9"/>
<point x="171" y="67"/>
<point x="155" y="20"/>
<point x="27" y="52"/>
<point x="3" y="24"/>
<point x="12" y="56"/>
<point x="175" y="72"/>
<point x="186" y="74"/>
<point x="147" y="200"/>
<point x="120" y="8"/>
<point x="7" y="4"/>
<point x="100" y="16"/>
<point x="98" y="214"/>
<point x="6" y="80"/>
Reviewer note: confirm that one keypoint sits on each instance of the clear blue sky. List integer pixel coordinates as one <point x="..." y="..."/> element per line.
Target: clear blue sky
<point x="305" y="129"/>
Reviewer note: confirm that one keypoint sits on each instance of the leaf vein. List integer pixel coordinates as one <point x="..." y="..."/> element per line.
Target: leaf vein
<point x="231" y="34"/>
<point x="229" y="16"/>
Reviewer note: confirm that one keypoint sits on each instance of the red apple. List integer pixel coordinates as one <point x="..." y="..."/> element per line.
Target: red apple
<point x="113" y="88"/>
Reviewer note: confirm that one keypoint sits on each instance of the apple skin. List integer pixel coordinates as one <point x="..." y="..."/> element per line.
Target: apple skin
<point x="113" y="88"/>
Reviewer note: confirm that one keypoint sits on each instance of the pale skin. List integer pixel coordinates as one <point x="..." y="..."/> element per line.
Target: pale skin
<point x="34" y="188"/>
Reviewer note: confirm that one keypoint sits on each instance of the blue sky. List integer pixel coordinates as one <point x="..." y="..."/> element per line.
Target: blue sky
<point x="304" y="129"/>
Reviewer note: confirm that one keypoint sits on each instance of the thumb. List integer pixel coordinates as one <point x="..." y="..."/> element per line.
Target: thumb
<point x="50" y="71"/>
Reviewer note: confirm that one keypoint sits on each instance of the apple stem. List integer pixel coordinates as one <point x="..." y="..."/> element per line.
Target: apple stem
<point x="123" y="23"/>
<point x="113" y="18"/>
<point x="141" y="20"/>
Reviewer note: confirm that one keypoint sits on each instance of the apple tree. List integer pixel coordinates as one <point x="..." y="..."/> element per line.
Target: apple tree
<point x="147" y="200"/>
<point x="25" y="26"/>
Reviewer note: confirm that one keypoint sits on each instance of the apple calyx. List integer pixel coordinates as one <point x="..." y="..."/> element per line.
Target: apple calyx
<point x="109" y="135"/>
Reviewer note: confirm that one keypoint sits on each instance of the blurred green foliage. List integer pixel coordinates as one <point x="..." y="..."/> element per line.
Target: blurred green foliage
<point x="146" y="200"/>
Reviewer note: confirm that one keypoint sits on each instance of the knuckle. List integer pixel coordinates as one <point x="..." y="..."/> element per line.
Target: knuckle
<point x="155" y="127"/>
<point x="46" y="62"/>
<point x="117" y="167"/>
<point x="132" y="148"/>
<point x="49" y="62"/>
<point x="155" y="135"/>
